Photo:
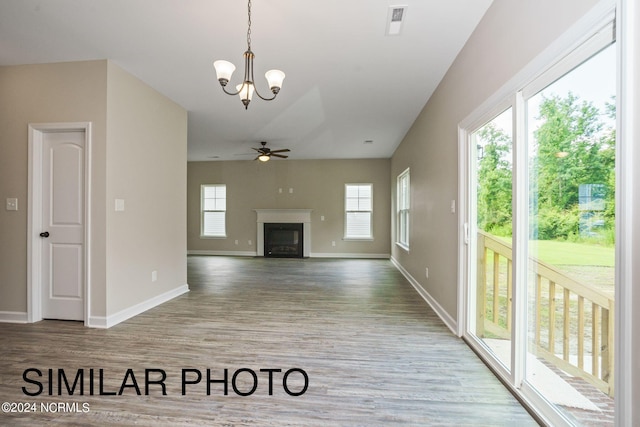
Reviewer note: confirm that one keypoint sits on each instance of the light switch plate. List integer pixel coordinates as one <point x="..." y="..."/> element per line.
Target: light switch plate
<point x="119" y="205"/>
<point x="12" y="204"/>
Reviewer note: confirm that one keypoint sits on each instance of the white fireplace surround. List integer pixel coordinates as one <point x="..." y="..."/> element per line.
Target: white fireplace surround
<point x="285" y="216"/>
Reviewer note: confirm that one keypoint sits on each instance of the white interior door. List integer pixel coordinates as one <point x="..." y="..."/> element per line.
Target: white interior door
<point x="62" y="230"/>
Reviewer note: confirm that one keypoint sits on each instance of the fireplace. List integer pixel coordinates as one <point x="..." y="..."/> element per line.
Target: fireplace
<point x="301" y="217"/>
<point x="283" y="240"/>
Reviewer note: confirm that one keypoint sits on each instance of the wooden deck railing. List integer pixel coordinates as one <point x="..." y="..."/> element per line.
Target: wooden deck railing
<point x="573" y="321"/>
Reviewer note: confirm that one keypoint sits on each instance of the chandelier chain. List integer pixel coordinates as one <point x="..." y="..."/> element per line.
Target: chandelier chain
<point x="249" y="26"/>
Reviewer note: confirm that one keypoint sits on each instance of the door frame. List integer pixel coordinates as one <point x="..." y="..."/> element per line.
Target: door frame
<point x="37" y="133"/>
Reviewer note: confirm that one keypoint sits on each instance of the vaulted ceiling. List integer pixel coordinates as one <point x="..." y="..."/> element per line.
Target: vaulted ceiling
<point x="350" y="91"/>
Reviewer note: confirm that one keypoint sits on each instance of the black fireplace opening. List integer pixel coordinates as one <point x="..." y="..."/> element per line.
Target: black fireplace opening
<point x="283" y="240"/>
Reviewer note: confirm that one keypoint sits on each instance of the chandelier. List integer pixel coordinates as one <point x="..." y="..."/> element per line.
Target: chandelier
<point x="224" y="69"/>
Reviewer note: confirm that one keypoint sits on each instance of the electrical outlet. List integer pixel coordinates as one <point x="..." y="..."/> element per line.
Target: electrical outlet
<point x="333" y="243"/>
<point x="426" y="272"/>
<point x="154" y="276"/>
<point x="249" y="242"/>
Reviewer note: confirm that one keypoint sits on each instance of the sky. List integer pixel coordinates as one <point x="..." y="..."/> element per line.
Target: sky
<point x="593" y="81"/>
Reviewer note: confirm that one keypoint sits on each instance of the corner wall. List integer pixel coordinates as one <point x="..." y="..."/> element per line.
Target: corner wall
<point x="138" y="153"/>
<point x="147" y="169"/>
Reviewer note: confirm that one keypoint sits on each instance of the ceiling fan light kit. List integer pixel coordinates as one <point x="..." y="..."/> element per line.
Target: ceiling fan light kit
<point x="224" y="70"/>
<point x="265" y="153"/>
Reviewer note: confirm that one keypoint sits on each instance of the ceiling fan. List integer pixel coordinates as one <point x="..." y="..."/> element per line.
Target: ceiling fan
<point x="266" y="153"/>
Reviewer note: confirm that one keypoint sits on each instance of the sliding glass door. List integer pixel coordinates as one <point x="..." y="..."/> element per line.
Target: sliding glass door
<point x="571" y="241"/>
<point x="492" y="229"/>
<point x="540" y="239"/>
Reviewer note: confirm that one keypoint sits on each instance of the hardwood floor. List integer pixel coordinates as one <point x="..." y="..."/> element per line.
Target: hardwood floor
<point x="375" y="355"/>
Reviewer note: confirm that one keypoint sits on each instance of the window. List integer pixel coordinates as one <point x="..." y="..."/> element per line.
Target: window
<point x="358" y="205"/>
<point x="213" y="207"/>
<point x="404" y="203"/>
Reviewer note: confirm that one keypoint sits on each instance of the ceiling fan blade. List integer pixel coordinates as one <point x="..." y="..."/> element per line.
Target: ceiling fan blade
<point x="264" y="151"/>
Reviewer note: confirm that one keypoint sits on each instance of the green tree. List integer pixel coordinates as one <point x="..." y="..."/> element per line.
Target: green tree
<point x="571" y="149"/>
<point x="494" y="180"/>
<point x="564" y="147"/>
<point x="608" y="153"/>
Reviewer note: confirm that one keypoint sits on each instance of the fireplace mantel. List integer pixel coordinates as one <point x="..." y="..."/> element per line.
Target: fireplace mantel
<point x="284" y="216"/>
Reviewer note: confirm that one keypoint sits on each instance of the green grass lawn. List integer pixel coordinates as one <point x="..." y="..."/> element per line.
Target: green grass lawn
<point x="568" y="253"/>
<point x="587" y="263"/>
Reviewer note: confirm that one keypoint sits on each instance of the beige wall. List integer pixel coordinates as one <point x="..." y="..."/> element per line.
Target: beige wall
<point x="147" y="167"/>
<point x="509" y="36"/>
<point x="138" y="152"/>
<point x="62" y="92"/>
<point x="316" y="184"/>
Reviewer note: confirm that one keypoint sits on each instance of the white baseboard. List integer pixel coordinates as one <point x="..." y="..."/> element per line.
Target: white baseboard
<point x="13" y="317"/>
<point x="222" y="253"/>
<point x="348" y="255"/>
<point x="441" y="312"/>
<point x="97" y="322"/>
<point x="311" y="255"/>
<point x="128" y="313"/>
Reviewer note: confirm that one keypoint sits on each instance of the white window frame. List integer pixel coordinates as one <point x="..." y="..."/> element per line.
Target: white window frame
<point x="347" y="211"/>
<point x="203" y="211"/>
<point x="403" y="209"/>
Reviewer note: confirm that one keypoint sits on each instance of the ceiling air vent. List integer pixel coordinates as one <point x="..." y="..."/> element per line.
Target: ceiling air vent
<point x="395" y="19"/>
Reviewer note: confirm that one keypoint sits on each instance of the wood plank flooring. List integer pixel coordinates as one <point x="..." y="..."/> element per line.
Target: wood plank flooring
<point x="374" y="352"/>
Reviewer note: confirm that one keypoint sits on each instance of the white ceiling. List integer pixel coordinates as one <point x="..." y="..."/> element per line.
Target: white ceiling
<point x="346" y="81"/>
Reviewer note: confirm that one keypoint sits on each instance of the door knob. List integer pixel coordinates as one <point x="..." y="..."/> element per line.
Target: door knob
<point x="44" y="234"/>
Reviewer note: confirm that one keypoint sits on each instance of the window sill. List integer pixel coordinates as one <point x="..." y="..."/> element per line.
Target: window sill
<point x="359" y="239"/>
<point x="204" y="236"/>
<point x="402" y="246"/>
